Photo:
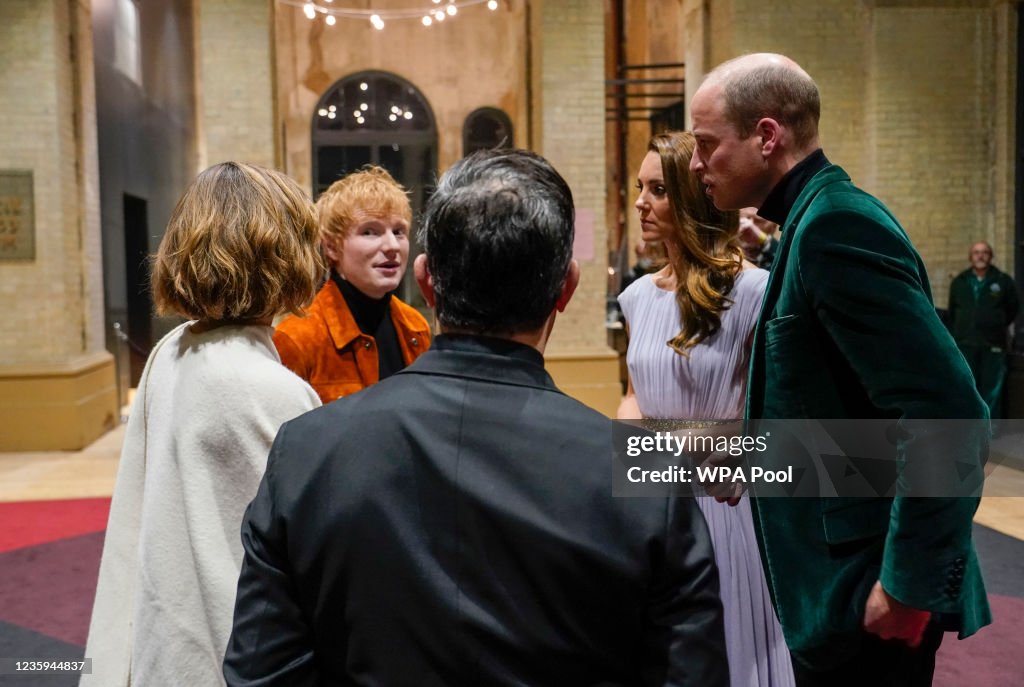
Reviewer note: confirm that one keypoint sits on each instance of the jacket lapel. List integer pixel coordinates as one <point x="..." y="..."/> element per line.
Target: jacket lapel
<point x="341" y="325"/>
<point x="755" y="381"/>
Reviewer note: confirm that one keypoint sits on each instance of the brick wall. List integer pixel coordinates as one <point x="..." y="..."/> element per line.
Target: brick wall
<point x="88" y="173"/>
<point x="917" y="105"/>
<point x="235" y="80"/>
<point x="573" y="139"/>
<point x="1004" y="16"/>
<point x="932" y="122"/>
<point x="52" y="305"/>
<point x="827" y="38"/>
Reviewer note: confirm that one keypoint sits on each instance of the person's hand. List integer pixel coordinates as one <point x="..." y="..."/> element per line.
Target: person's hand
<point x="749" y="234"/>
<point x="732" y="498"/>
<point x="889" y="619"/>
<point x="724" y="492"/>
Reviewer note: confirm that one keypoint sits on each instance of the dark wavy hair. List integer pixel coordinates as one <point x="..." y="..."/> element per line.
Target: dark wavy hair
<point x="498" y="235"/>
<point x="708" y="255"/>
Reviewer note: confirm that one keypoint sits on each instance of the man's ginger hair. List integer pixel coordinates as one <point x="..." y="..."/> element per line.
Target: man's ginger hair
<point x="370" y="191"/>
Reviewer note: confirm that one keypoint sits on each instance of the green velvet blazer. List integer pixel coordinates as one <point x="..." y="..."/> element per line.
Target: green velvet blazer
<point x="848" y="330"/>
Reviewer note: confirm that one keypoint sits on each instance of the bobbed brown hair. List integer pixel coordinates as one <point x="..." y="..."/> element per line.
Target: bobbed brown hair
<point x="242" y="244"/>
<point x="706" y="256"/>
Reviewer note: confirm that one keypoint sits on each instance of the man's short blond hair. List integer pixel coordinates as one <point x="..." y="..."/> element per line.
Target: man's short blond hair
<point x="371" y="191"/>
<point x="242" y="244"/>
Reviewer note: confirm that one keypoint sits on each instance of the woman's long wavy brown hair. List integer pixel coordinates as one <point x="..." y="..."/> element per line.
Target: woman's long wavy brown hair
<point x="707" y="252"/>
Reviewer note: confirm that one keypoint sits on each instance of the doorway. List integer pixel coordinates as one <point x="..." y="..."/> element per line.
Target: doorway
<point x="140" y="301"/>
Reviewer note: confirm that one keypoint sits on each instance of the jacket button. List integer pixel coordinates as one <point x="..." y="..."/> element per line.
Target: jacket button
<point x="366" y="345"/>
<point x="414" y="341"/>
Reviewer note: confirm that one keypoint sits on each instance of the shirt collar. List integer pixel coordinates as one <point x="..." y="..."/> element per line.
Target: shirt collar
<point x="472" y="343"/>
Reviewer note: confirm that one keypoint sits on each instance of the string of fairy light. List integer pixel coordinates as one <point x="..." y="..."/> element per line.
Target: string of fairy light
<point x="435" y="13"/>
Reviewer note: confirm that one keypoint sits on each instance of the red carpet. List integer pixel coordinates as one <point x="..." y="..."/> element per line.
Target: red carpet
<point x="50" y="555"/>
<point x="27" y="523"/>
<point x="49" y="562"/>
<point x="49" y="588"/>
<point x="994" y="656"/>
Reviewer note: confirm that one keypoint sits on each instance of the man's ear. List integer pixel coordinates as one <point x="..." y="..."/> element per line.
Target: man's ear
<point x="423" y="278"/>
<point x="572" y="280"/>
<point x="332" y="249"/>
<point x="770" y="132"/>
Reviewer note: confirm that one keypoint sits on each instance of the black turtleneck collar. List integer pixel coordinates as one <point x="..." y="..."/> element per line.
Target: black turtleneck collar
<point x="779" y="203"/>
<point x="367" y="312"/>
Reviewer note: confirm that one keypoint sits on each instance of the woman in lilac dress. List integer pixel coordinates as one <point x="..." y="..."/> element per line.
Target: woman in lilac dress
<point x="690" y="327"/>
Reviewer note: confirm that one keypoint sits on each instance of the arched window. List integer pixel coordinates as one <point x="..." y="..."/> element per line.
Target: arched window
<point x="378" y="118"/>
<point x="485" y="128"/>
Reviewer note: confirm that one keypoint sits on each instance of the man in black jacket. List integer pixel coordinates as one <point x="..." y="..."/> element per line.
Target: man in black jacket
<point x="454" y="524"/>
<point x="982" y="304"/>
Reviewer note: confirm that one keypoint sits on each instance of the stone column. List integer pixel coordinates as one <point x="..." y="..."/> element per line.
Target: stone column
<point x="57" y="383"/>
<point x="569" y="130"/>
<point x="696" y="48"/>
<point x="235" y="82"/>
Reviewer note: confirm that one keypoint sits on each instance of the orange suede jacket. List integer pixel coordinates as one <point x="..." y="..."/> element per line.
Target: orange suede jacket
<point x="327" y="349"/>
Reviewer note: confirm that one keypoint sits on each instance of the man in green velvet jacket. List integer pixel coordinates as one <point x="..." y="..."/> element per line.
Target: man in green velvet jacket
<point x="863" y="587"/>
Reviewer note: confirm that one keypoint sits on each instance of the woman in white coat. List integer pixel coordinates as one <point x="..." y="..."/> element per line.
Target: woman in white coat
<point x="241" y="247"/>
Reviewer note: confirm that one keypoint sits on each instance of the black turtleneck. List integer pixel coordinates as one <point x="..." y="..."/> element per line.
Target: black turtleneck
<point x="372" y="318"/>
<point x="779" y="203"/>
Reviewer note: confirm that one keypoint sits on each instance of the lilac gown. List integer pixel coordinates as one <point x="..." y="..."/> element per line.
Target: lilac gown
<point x="710" y="384"/>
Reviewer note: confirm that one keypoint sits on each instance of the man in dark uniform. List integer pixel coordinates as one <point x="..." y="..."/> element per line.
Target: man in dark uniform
<point x="982" y="304"/>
